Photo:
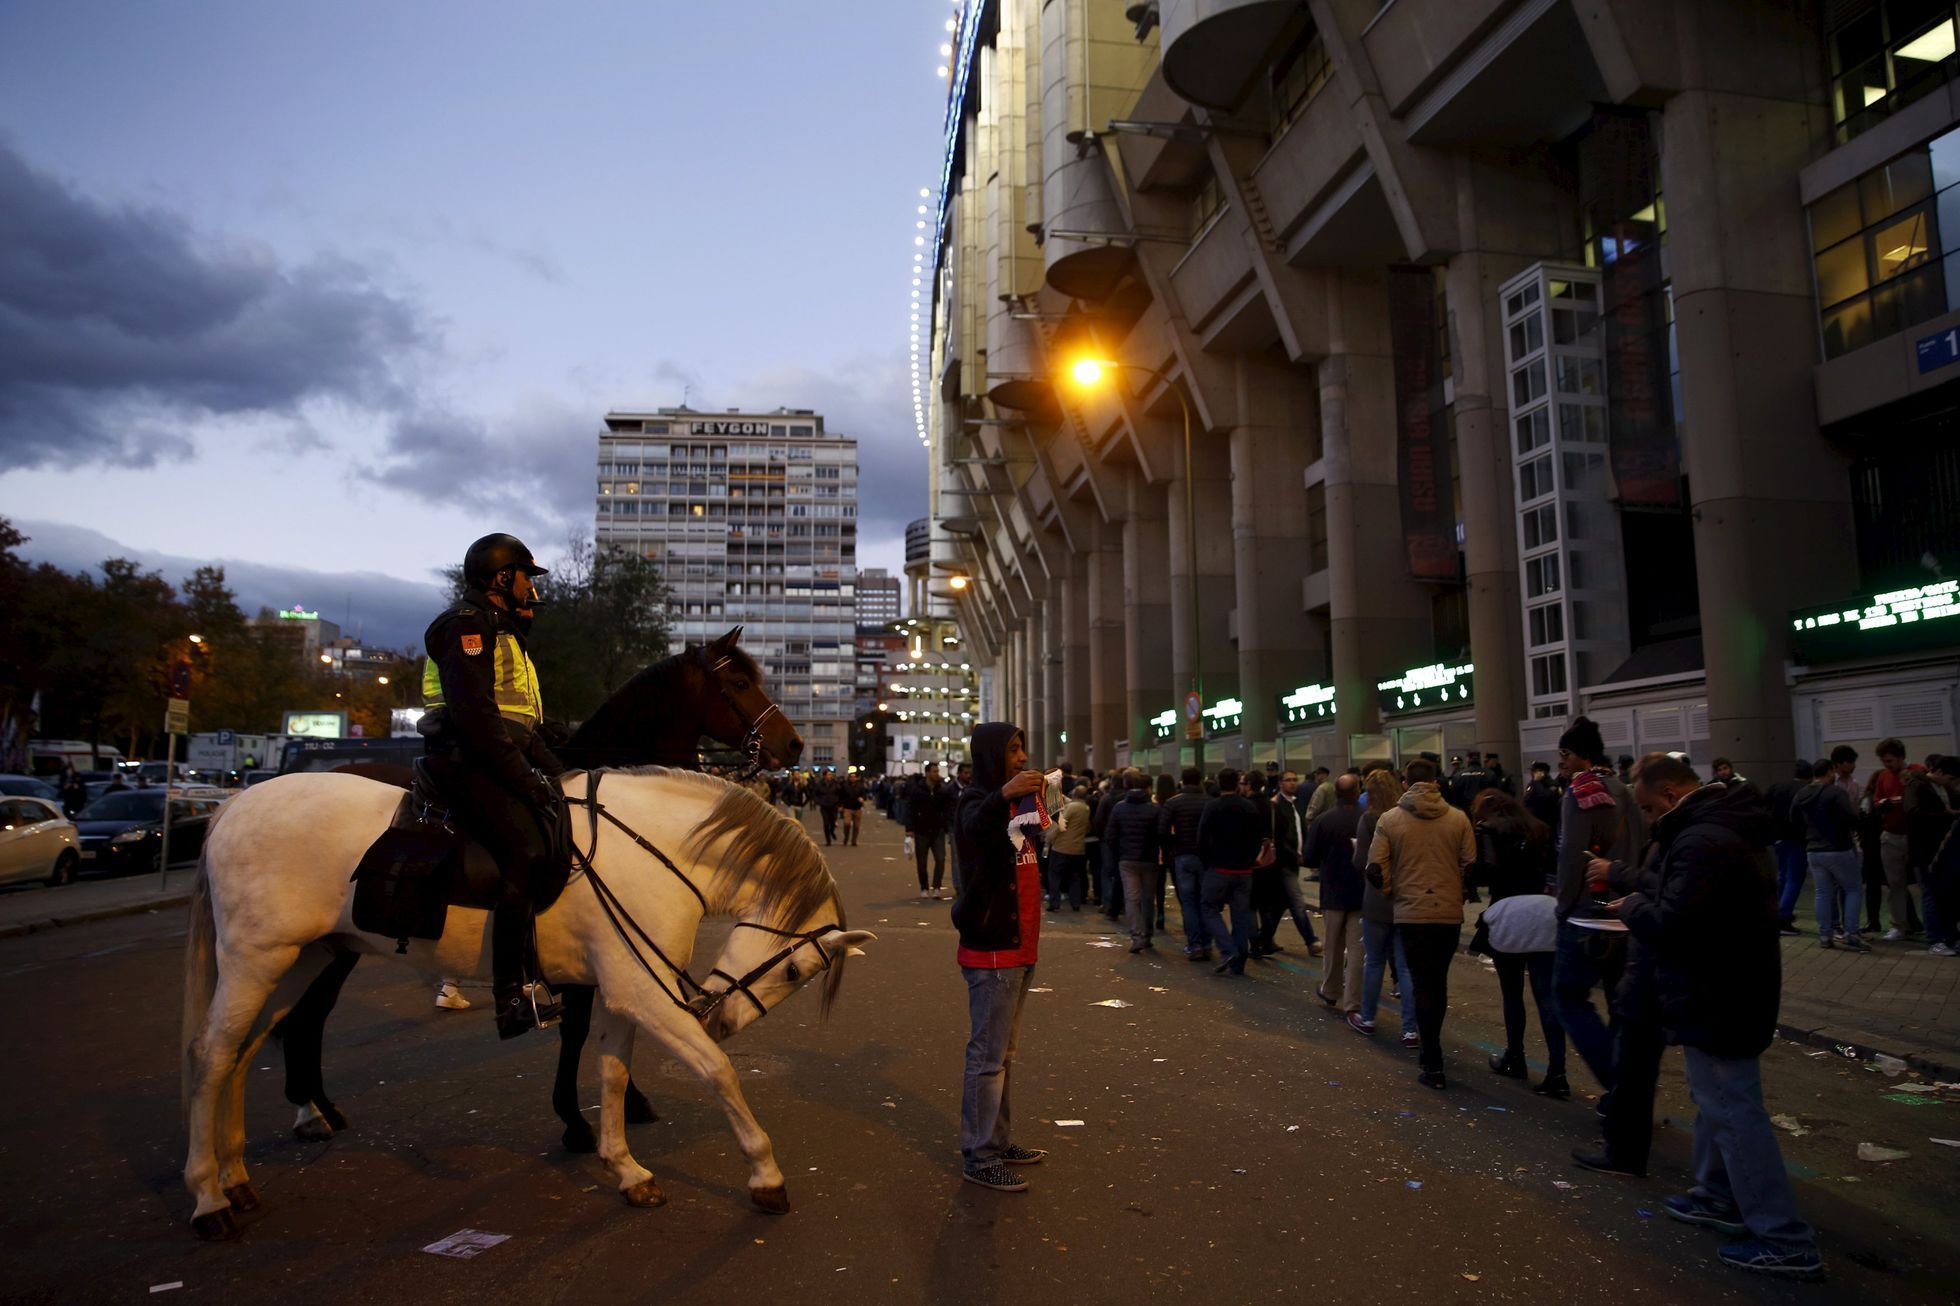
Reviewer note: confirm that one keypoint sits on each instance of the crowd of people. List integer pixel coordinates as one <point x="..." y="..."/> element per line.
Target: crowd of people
<point x="1639" y="901"/>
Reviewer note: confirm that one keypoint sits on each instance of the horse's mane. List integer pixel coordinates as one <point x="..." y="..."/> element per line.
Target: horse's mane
<point x="755" y="832"/>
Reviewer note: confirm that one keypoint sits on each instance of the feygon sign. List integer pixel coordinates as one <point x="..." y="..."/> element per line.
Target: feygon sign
<point x="728" y="428"/>
<point x="1428" y="689"/>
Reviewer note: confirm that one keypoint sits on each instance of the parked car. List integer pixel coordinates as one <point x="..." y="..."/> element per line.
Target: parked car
<point x="123" y="831"/>
<point x="36" y="842"/>
<point x="27" y="786"/>
<point x="255" y="777"/>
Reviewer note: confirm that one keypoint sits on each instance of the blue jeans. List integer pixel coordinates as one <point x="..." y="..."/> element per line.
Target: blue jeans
<point x="1220" y="891"/>
<point x="1834" y="873"/>
<point x="993" y="1005"/>
<point x="1790" y="864"/>
<point x="1586" y="960"/>
<point x="1377" y="939"/>
<point x="1188" y="874"/>
<point x="1737" y="1161"/>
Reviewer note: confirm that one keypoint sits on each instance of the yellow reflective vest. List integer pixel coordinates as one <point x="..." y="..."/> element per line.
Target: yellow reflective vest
<point x="515" y="682"/>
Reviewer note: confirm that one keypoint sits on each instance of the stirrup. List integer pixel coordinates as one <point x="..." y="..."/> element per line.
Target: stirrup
<point x="546" y="1009"/>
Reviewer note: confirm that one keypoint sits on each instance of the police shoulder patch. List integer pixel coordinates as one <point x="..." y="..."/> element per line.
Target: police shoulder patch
<point x="472" y="644"/>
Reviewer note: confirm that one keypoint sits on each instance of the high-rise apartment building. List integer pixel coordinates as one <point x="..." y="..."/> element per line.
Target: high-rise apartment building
<point x="752" y="518"/>
<point x="1337" y="381"/>
<point x="878" y="596"/>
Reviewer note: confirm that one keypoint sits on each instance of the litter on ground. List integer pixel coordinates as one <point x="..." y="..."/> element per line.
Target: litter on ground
<point x="1789" y="1124"/>
<point x="1110" y="1002"/>
<point x="1873" y="1152"/>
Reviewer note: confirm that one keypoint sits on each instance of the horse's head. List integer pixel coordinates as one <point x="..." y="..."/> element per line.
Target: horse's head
<point x="763" y="963"/>
<point x="741" y="713"/>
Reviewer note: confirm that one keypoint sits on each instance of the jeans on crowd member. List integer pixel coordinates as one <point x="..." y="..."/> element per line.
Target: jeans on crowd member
<point x="1140" y="895"/>
<point x="1112" y="888"/>
<point x="1898" y="881"/>
<point x="993" y="1005"/>
<point x="1065" y="880"/>
<point x="1379" y="939"/>
<point x="1789" y="878"/>
<point x="1512" y="970"/>
<point x="1340" y="969"/>
<point x="1937" y="911"/>
<point x="1835" y="873"/>
<point x="829" y="815"/>
<point x="1189" y="875"/>
<point x="1637" y="1050"/>
<point x="1737" y="1161"/>
<point x="1429" y="949"/>
<point x="936" y="843"/>
<point x="1219" y="892"/>
<point x="1291" y="902"/>
<point x="1872" y="865"/>
<point x="1586" y="960"/>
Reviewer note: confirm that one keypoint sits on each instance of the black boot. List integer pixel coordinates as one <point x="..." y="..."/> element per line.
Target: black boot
<point x="519" y="1005"/>
<point x="1555" y="1087"/>
<point x="1510" y="1065"/>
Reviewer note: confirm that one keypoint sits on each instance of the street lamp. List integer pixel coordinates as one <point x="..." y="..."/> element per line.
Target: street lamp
<point x="1090" y="372"/>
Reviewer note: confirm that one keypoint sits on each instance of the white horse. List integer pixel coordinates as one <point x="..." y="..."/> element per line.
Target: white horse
<point x="273" y="901"/>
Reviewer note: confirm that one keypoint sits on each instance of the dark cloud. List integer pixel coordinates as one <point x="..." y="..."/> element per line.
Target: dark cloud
<point x="384" y="610"/>
<point x="120" y="328"/>
<point x="534" y="468"/>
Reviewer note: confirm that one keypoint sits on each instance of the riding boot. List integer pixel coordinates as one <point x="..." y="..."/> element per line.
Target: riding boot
<point x="510" y="937"/>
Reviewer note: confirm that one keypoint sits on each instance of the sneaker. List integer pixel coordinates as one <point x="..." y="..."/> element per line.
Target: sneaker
<point x="1894" y="934"/>
<point x="997" y="1177"/>
<point x="1689" y="1209"/>
<point x="1789" y="927"/>
<point x="1412" y="1040"/>
<point x="1359" y="1025"/>
<point x="450" y="998"/>
<point x="1015" y="1154"/>
<point x="1856" y="944"/>
<point x="1766" y="1258"/>
<point x="1604" y="1163"/>
<point x="1826" y="943"/>
<point x="1432" y="1079"/>
<point x="1942" y="950"/>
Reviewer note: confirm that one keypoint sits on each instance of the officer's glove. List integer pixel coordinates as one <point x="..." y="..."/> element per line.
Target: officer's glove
<point x="554" y="735"/>
<point x="540" y="790"/>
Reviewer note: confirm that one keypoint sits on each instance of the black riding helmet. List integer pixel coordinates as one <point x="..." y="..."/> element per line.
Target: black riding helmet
<point x="495" y="553"/>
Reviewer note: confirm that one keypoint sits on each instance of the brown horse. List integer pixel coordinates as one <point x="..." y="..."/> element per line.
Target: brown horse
<point x="658" y="718"/>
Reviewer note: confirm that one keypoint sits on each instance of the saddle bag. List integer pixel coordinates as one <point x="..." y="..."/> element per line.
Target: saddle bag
<point x="401" y="886"/>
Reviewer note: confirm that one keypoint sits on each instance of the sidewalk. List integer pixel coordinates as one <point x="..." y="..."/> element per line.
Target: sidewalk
<point x="28" y="909"/>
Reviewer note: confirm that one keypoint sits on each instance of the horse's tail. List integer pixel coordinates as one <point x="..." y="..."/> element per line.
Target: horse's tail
<point x="200" y="967"/>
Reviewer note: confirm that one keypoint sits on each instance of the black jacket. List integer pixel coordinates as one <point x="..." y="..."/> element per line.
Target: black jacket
<point x="1131" y="834"/>
<point x="1509" y="862"/>
<point x="1828" y="818"/>
<point x="1177" y="821"/>
<point x="929" y="811"/>
<point x="468" y="726"/>
<point x="1542" y="799"/>
<point x="1288" y="834"/>
<point x="1230" y="833"/>
<point x="1710" y="919"/>
<point x="1330" y="850"/>
<point x="987" y="911"/>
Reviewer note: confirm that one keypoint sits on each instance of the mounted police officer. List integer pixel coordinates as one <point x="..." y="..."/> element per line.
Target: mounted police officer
<point x="484" y="722"/>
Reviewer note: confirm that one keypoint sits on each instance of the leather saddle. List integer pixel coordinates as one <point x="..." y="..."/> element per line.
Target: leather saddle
<point x="424" y="863"/>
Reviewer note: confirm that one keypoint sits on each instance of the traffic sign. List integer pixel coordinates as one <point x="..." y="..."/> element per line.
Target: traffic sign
<point x="226" y="738"/>
<point x="1194" y="715"/>
<point x="177" y="716"/>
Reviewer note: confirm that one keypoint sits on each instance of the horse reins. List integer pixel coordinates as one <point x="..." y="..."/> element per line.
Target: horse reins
<point x="703" y="1001"/>
<point x="752" y="741"/>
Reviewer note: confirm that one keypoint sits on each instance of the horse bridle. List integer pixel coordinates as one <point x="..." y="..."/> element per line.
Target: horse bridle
<point x="703" y="1002"/>
<point x="752" y="741"/>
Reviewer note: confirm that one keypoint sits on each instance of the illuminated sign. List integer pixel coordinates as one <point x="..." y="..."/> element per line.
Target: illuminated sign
<point x="316" y="725"/>
<point x="1307" y="703"/>
<point x="297" y="614"/>
<point x="1164" y="724"/>
<point x="1427" y="689"/>
<point x="1225" y="714"/>
<point x="1922" y="616"/>
<point x="728" y="428"/>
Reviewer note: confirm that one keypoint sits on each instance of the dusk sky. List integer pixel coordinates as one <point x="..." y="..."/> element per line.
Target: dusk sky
<point x="330" y="290"/>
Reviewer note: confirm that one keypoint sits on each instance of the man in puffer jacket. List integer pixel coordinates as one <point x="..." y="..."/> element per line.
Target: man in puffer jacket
<point x="1130" y="842"/>
<point x="1417" y="858"/>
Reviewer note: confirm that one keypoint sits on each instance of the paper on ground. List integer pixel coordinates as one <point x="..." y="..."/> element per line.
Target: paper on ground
<point x="1069" y="1124"/>
<point x="1110" y="1002"/>
<point x="1873" y="1152"/>
<point x="465" y="1243"/>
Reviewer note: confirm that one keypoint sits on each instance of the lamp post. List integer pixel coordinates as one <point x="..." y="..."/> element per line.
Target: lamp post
<point x="1088" y="373"/>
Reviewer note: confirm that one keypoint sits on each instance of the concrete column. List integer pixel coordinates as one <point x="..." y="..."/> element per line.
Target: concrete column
<point x="1747" y="330"/>
<point x="1212" y="659"/>
<point x="1270" y="554"/>
<point x="1075" y="661"/>
<point x="1378" y="618"/>
<point x="1147" y="616"/>
<point x="1036" y="722"/>
<point x="1051" y="672"/>
<point x="1108" y="699"/>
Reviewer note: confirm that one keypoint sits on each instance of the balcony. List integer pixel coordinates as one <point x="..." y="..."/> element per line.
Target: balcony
<point x="1215" y="270"/>
<point x="1215" y="49"/>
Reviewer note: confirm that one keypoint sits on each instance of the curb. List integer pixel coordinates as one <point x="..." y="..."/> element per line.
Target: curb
<point x="21" y="928"/>
<point x="1945" y="1065"/>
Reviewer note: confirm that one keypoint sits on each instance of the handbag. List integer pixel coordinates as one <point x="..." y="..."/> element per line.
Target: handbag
<point x="1267" y="856"/>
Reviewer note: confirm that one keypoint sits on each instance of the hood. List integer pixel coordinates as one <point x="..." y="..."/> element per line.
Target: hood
<point x="988" y="753"/>
<point x="1425" y="800"/>
<point x="1136" y="795"/>
<point x="1735" y="808"/>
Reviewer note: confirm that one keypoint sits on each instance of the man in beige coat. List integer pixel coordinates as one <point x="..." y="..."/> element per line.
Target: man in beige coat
<point x="1417" y="858"/>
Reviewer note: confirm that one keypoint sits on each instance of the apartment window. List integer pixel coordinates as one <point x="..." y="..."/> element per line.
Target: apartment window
<point x="1891" y="54"/>
<point x="1541" y="577"/>
<point x="1877" y="252"/>
<point x="1547" y="625"/>
<point x="1534" y="430"/>
<point x="1535" y="479"/>
<point x="1297" y="77"/>
<point x="1548" y="675"/>
<point x="1528" y="383"/>
<point x="1206" y="204"/>
<point x="1541" y="526"/>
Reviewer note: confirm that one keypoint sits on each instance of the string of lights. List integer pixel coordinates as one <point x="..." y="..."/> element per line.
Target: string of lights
<point x="931" y="215"/>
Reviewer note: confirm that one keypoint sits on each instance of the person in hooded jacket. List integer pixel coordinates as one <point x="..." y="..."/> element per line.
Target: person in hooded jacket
<point x="997" y="911"/>
<point x="1710" y="920"/>
<point x="1419" y="854"/>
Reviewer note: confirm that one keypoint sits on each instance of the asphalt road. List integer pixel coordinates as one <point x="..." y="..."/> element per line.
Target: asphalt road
<point x="1239" y="1144"/>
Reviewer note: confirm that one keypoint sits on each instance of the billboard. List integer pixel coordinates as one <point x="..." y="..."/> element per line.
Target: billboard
<point x="315" y="725"/>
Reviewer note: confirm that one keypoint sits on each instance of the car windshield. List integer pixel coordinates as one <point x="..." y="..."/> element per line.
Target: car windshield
<point x="22" y="786"/>
<point x="125" y="807"/>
